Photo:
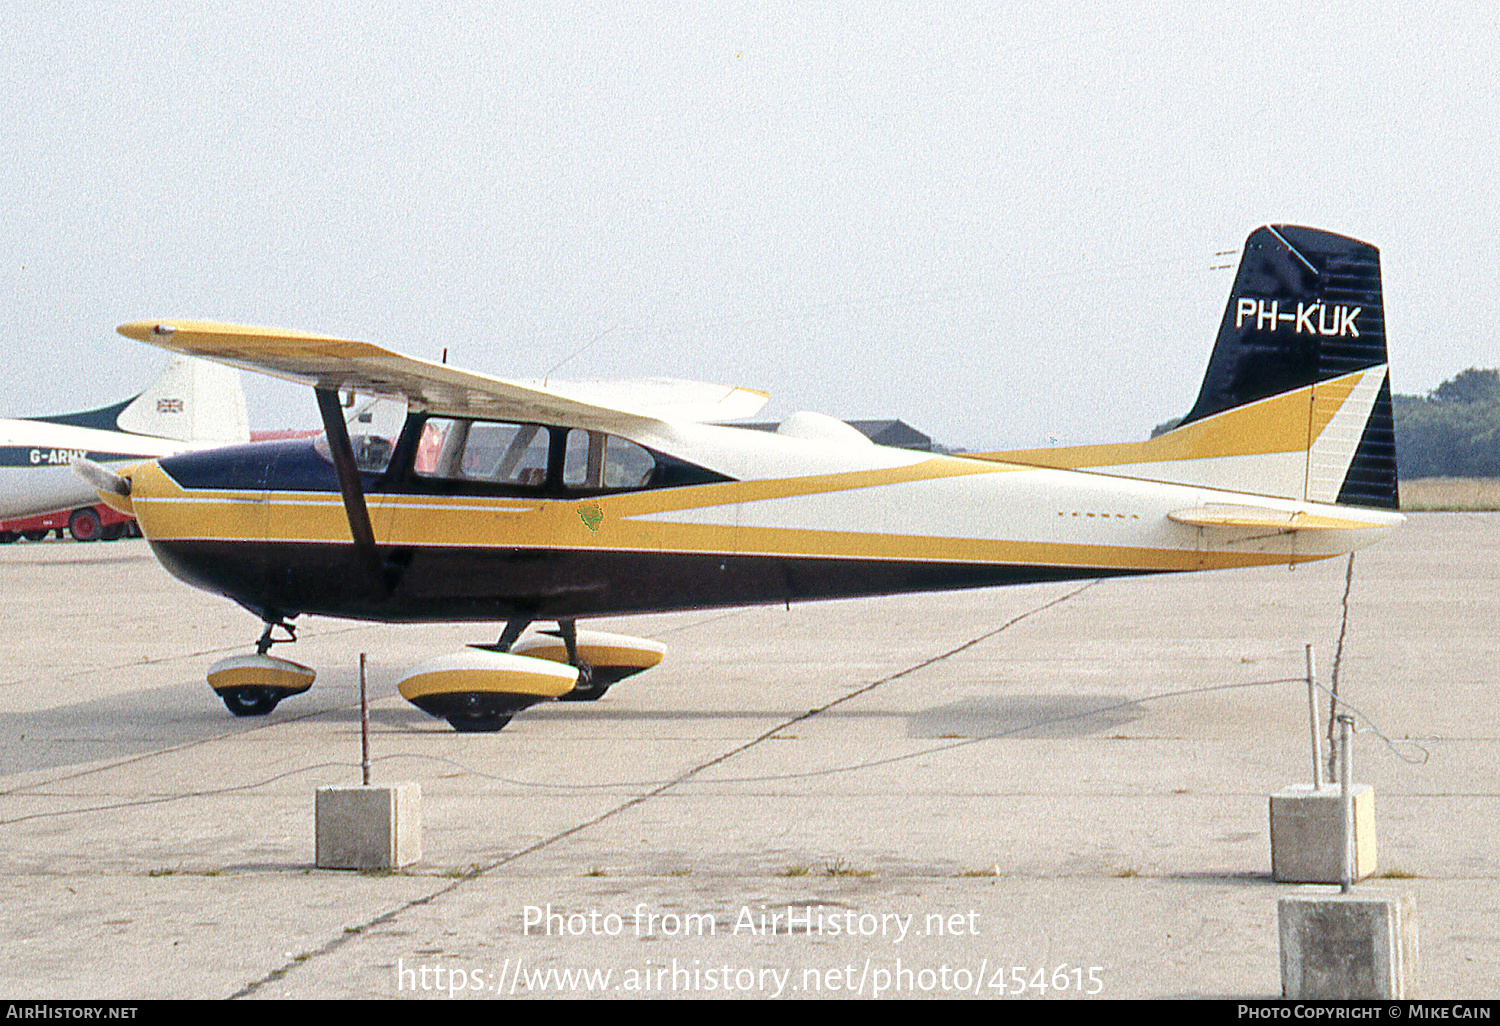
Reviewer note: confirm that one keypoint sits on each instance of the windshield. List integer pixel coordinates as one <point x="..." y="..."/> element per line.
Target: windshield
<point x="374" y="426"/>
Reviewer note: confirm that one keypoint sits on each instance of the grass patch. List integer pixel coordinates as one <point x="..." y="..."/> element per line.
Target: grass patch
<point x="993" y="871"/>
<point x="1450" y="494"/>
<point x="1397" y="873"/>
<point x="681" y="871"/>
<point x="840" y="867"/>
<point x="797" y="870"/>
<point x="1128" y="873"/>
<point x="596" y="871"/>
<point x="463" y="872"/>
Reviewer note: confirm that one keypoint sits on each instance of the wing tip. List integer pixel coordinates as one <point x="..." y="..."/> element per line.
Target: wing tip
<point x="139" y="330"/>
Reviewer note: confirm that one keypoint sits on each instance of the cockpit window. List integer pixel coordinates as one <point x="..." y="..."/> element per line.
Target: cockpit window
<point x="487" y="451"/>
<point x="458" y="455"/>
<point x="598" y="461"/>
<point x="372" y="453"/>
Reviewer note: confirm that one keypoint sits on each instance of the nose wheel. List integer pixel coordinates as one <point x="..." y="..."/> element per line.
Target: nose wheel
<point x="253" y="685"/>
<point x="477" y="723"/>
<point x="253" y="701"/>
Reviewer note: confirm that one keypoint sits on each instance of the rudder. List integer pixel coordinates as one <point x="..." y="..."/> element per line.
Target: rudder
<point x="1306" y="309"/>
<point x="1296" y="401"/>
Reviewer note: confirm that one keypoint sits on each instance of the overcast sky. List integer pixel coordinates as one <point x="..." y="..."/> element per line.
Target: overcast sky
<point x="997" y="221"/>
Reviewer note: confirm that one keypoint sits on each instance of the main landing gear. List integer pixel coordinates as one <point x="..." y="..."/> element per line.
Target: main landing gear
<point x="477" y="689"/>
<point x="482" y="687"/>
<point x="602" y="659"/>
<point x="252" y="685"/>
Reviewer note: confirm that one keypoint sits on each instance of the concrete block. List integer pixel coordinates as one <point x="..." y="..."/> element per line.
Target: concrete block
<point x="374" y="827"/>
<point x="1306" y="831"/>
<point x="1361" y="945"/>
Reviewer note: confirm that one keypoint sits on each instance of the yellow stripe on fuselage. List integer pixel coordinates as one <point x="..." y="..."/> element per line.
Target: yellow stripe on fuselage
<point x="1289" y="422"/>
<point x="169" y="512"/>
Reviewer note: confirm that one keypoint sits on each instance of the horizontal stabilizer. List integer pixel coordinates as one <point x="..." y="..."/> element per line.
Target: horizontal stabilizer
<point x="1229" y="517"/>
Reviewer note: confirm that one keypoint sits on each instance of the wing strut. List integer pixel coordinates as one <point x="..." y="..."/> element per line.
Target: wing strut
<point x="349" y="486"/>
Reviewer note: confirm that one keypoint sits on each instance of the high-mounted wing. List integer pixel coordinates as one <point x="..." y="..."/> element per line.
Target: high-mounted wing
<point x="339" y="364"/>
<point x="331" y="365"/>
<point x="665" y="398"/>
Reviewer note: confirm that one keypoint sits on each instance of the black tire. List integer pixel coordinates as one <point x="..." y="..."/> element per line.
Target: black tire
<point x="478" y="723"/>
<point x="33" y="535"/>
<point x="112" y="532"/>
<point x="251" y="701"/>
<point x="590" y="692"/>
<point x="594" y="681"/>
<point x="6" y="537"/>
<point x="84" y="525"/>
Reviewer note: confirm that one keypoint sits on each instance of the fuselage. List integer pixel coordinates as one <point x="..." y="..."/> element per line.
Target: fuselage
<point x="563" y="523"/>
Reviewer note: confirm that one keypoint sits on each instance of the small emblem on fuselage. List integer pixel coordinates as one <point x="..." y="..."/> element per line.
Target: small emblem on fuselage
<point x="592" y="516"/>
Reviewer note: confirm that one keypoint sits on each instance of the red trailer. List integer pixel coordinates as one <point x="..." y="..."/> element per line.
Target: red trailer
<point x="87" y="523"/>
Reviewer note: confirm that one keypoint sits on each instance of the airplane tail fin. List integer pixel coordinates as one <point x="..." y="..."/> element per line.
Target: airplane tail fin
<point x="190" y="401"/>
<point x="1296" y="402"/>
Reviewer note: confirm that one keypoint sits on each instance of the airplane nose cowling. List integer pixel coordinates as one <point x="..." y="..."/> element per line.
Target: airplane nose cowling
<point x="146" y="485"/>
<point x="204" y="514"/>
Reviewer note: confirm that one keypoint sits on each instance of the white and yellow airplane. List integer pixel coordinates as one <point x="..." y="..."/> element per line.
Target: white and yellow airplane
<point x="503" y="501"/>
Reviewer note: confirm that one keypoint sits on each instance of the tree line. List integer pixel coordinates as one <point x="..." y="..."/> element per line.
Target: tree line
<point x="1452" y="431"/>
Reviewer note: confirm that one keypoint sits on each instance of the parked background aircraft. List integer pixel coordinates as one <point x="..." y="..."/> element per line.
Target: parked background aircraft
<point x="517" y="502"/>
<point x="192" y="404"/>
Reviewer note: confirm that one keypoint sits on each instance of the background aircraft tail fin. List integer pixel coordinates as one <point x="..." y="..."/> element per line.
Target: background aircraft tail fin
<point x="1296" y="402"/>
<point x="190" y="401"/>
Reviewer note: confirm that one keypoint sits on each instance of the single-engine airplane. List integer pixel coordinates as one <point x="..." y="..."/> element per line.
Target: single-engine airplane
<point x="504" y="501"/>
